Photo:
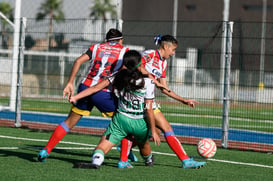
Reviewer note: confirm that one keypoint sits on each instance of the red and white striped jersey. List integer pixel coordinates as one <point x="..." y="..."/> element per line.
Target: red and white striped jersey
<point x="154" y="64"/>
<point x="106" y="59"/>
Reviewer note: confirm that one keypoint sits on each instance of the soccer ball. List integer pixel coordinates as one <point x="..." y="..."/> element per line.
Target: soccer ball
<point x="206" y="148"/>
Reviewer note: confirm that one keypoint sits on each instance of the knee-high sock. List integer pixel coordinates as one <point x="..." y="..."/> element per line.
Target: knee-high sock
<point x="56" y="136"/>
<point x="175" y="145"/>
<point x="147" y="158"/>
<point x="125" y="149"/>
<point x="98" y="157"/>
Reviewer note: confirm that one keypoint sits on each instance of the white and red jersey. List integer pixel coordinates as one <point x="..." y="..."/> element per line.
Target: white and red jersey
<point x="154" y="64"/>
<point x="106" y="59"/>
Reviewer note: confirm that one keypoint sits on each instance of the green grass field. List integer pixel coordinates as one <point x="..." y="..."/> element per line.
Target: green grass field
<point x="19" y="148"/>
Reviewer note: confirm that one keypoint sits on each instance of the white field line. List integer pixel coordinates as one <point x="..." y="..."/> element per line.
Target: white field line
<point x="58" y="148"/>
<point x="91" y="145"/>
<point x="220" y="117"/>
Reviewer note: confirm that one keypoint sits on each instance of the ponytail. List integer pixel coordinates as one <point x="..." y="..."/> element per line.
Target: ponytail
<point x="129" y="79"/>
<point x="160" y="40"/>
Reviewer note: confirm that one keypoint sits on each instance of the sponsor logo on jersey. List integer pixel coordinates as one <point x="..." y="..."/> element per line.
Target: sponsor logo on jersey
<point x="156" y="62"/>
<point x="156" y="72"/>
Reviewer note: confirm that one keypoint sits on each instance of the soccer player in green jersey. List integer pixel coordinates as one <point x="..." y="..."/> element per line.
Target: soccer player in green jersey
<point x="134" y="115"/>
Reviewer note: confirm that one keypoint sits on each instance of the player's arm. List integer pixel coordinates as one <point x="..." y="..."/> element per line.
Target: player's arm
<point x="157" y="83"/>
<point x="68" y="90"/>
<point x="91" y="90"/>
<point x="151" y="118"/>
<point x="173" y="95"/>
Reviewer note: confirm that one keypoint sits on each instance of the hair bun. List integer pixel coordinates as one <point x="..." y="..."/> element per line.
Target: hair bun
<point x="157" y="39"/>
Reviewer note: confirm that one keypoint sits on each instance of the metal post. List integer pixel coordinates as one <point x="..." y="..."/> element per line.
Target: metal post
<point x="172" y="62"/>
<point x="13" y="89"/>
<point x="62" y="65"/>
<point x="223" y="49"/>
<point x="20" y="73"/>
<point x="261" y="76"/>
<point x="119" y="21"/>
<point x="226" y="98"/>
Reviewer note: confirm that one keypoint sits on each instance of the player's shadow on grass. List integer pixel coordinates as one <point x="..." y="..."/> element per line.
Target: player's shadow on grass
<point x="18" y="153"/>
<point x="73" y="153"/>
<point x="88" y="165"/>
<point x="30" y="153"/>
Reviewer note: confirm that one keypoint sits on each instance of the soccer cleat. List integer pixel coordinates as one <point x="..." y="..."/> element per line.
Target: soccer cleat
<point x="42" y="155"/>
<point x="190" y="163"/>
<point x="126" y="164"/>
<point x="132" y="157"/>
<point x="150" y="161"/>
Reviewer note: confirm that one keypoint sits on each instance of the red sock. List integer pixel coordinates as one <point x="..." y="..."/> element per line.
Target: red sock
<point x="125" y="149"/>
<point x="175" y="145"/>
<point x="56" y="136"/>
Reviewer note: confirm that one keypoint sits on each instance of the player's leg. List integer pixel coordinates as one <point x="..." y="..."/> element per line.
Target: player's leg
<point x="125" y="149"/>
<point x="82" y="107"/>
<point x="174" y="143"/>
<point x="116" y="131"/>
<point x="60" y="131"/>
<point x="142" y="134"/>
<point x="146" y="153"/>
<point x="106" y="102"/>
<point x="171" y="139"/>
<point x="102" y="149"/>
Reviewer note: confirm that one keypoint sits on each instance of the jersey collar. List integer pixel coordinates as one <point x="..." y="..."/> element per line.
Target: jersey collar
<point x="159" y="55"/>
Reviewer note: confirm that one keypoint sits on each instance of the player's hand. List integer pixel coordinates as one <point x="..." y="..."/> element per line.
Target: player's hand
<point x="190" y="102"/>
<point x="156" y="138"/>
<point x="68" y="90"/>
<point x="72" y="99"/>
<point x="161" y="86"/>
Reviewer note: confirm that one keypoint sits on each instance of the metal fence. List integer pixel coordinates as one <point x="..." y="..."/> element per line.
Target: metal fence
<point x="194" y="73"/>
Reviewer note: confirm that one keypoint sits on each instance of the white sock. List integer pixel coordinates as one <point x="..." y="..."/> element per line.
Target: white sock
<point x="98" y="157"/>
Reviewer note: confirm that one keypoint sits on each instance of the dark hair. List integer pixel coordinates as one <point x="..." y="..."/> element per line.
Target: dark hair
<point x="129" y="79"/>
<point x="160" y="40"/>
<point x="113" y="34"/>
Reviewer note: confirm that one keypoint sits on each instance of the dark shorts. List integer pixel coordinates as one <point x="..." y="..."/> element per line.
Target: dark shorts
<point x="105" y="102"/>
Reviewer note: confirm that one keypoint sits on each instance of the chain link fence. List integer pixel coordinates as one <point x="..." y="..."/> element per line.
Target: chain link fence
<point x="194" y="73"/>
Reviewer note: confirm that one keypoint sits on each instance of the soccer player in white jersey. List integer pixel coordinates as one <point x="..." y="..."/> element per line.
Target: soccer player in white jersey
<point x="155" y="62"/>
<point x="134" y="115"/>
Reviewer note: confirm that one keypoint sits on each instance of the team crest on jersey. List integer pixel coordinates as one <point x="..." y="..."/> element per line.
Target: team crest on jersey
<point x="147" y="58"/>
<point x="101" y="54"/>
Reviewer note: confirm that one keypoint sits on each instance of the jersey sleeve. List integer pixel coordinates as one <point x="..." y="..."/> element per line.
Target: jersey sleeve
<point x="150" y="88"/>
<point x="89" y="53"/>
<point x="90" y="50"/>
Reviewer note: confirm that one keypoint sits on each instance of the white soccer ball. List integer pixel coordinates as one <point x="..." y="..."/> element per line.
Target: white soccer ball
<point x="206" y="148"/>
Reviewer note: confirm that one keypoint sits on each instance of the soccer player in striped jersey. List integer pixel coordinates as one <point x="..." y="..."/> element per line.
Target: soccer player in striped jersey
<point x="105" y="59"/>
<point x="155" y="63"/>
<point x="134" y="115"/>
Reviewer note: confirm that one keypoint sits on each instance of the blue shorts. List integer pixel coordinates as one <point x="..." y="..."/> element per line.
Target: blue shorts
<point x="105" y="102"/>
